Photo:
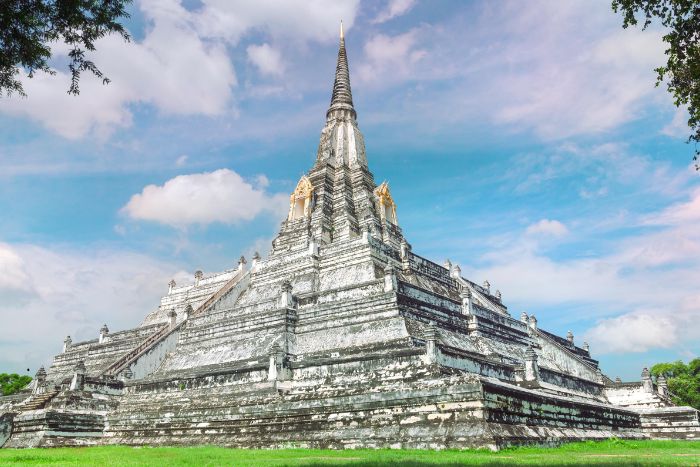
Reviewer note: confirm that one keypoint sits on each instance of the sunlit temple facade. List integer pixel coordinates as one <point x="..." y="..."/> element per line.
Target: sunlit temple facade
<point x="341" y="337"/>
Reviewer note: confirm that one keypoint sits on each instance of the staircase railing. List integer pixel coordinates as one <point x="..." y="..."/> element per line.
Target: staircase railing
<point x="160" y="335"/>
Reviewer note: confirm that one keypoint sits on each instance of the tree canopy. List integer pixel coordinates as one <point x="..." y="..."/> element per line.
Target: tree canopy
<point x="29" y="27"/>
<point x="11" y="383"/>
<point x="683" y="381"/>
<point x="681" y="18"/>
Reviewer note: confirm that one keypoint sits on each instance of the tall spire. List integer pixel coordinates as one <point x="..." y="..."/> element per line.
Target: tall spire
<point x="341" y="100"/>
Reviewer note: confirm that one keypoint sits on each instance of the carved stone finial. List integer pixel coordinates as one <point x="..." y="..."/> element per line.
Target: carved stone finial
<point x="256" y="256"/>
<point x="586" y="347"/>
<point x="41" y="374"/>
<point x="498" y="295"/>
<point x="647" y="383"/>
<point x="662" y="386"/>
<point x="104" y="330"/>
<point x="171" y="286"/>
<point x="67" y="342"/>
<point x="448" y="264"/>
<point x="570" y="337"/>
<point x="466" y="296"/>
<point x="487" y="287"/>
<point x="523" y="317"/>
<point x="532" y="368"/>
<point x="618" y="380"/>
<point x="431" y="343"/>
<point x="532" y="321"/>
<point x="242" y="260"/>
<point x="189" y="311"/>
<point x="198" y="275"/>
<point x="172" y="315"/>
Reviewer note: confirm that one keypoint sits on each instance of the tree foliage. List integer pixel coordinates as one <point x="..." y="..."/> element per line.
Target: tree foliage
<point x="683" y="381"/>
<point x="11" y="383"/>
<point x="681" y="18"/>
<point x="29" y="27"/>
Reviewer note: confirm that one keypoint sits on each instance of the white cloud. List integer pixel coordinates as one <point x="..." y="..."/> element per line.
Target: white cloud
<point x="642" y="291"/>
<point x="547" y="227"/>
<point x="266" y="59"/>
<point x="678" y="127"/>
<point x="172" y="68"/>
<point x="305" y="20"/>
<point x="393" y="9"/>
<point x="55" y="292"/>
<point x="573" y="75"/>
<point x="181" y="66"/>
<point x="219" y="196"/>
<point x="388" y="58"/>
<point x="634" y="332"/>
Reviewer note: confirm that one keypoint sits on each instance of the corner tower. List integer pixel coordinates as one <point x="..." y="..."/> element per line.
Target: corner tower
<point x="338" y="198"/>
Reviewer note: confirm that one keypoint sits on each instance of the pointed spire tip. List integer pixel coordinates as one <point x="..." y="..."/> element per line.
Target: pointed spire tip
<point x="342" y="35"/>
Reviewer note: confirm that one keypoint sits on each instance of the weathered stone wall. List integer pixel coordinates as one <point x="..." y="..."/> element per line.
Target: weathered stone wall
<point x="671" y="423"/>
<point x="5" y="427"/>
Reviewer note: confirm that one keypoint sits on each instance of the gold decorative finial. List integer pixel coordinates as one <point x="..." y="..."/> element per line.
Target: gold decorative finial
<point x="342" y="35"/>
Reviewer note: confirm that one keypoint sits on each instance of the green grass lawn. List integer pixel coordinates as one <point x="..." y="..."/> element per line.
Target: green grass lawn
<point x="611" y="452"/>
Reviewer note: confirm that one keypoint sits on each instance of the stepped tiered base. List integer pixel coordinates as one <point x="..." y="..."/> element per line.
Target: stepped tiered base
<point x="398" y="405"/>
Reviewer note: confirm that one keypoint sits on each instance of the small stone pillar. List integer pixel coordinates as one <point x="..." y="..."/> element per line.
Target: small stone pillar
<point x="467" y="305"/>
<point x="198" y="277"/>
<point x="241" y="263"/>
<point x="487" y="286"/>
<point x="171" y="286"/>
<point x="498" y="295"/>
<point x="40" y="381"/>
<point x="286" y="297"/>
<point x="67" y="343"/>
<point x="276" y="371"/>
<point x="662" y="386"/>
<point x="389" y="278"/>
<point x="255" y="261"/>
<point x="404" y="250"/>
<point x="78" y="380"/>
<point x="570" y="338"/>
<point x="532" y="369"/>
<point x="587" y="348"/>
<point x="173" y="317"/>
<point x="647" y="383"/>
<point x="313" y="247"/>
<point x="456" y="272"/>
<point x="523" y="317"/>
<point x="532" y="321"/>
<point x="104" y="331"/>
<point x="189" y="311"/>
<point x="431" y="348"/>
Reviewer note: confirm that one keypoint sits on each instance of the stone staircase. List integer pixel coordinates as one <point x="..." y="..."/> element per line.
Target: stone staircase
<point x="163" y="333"/>
<point x="38" y="401"/>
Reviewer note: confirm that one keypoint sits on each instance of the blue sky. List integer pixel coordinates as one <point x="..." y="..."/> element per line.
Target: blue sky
<point x="524" y="141"/>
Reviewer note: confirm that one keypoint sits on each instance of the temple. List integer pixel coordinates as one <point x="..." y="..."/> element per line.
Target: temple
<point x="341" y="337"/>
